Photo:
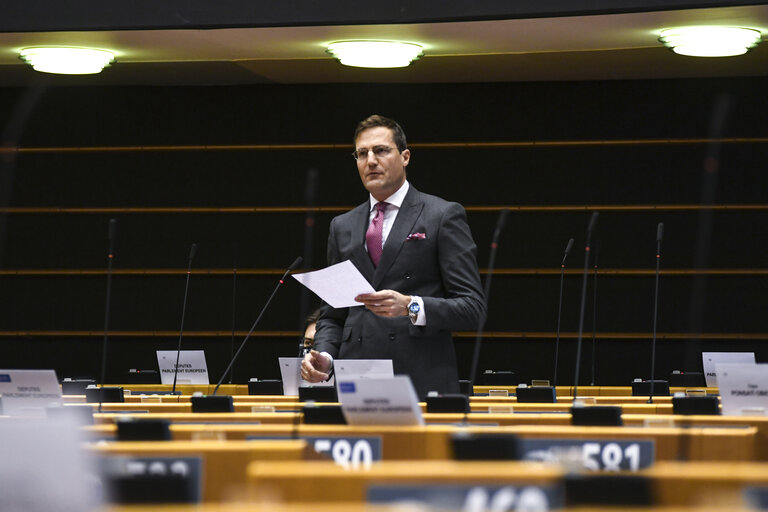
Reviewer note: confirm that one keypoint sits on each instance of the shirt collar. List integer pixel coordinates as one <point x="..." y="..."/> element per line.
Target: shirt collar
<point x="395" y="199"/>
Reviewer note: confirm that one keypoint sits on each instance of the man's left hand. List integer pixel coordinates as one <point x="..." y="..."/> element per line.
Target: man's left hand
<point x="387" y="303"/>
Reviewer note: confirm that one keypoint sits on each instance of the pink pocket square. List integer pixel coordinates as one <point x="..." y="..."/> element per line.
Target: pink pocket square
<point x="416" y="236"/>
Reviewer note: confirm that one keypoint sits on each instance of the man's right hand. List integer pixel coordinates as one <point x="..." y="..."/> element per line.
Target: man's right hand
<point x="315" y="367"/>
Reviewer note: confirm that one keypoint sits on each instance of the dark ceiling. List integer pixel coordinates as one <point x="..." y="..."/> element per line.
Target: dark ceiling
<point x="480" y="48"/>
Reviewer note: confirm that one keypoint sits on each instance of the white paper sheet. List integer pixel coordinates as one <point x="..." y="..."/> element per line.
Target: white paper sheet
<point x="380" y="401"/>
<point x="743" y="386"/>
<point x="348" y="369"/>
<point x="291" y="374"/>
<point x="44" y="467"/>
<point x="28" y="392"/>
<point x="338" y="285"/>
<point x="192" y="367"/>
<point x="711" y="359"/>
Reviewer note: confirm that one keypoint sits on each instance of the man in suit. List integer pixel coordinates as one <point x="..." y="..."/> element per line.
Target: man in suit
<point x="417" y="251"/>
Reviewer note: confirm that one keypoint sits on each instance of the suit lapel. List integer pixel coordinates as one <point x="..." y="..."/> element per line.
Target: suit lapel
<point x="359" y="226"/>
<point x="404" y="222"/>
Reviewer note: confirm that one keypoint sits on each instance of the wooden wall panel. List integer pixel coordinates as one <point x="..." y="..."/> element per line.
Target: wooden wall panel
<point x="552" y="152"/>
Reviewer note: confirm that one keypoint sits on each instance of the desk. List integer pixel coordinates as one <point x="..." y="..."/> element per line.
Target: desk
<point x="242" y="389"/>
<point x="432" y="442"/>
<point x="332" y="483"/>
<point x="266" y="506"/>
<point x="137" y="397"/>
<point x="171" y="407"/>
<point x="674" y="484"/>
<point x="224" y="464"/>
<point x="502" y="419"/>
<point x="186" y="406"/>
<point x="285" y="418"/>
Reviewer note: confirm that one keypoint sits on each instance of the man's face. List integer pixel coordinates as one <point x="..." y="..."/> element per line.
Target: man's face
<point x="382" y="175"/>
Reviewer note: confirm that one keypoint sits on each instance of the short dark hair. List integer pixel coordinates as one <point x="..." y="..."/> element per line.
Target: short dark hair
<point x="376" y="120"/>
<point x="313" y="317"/>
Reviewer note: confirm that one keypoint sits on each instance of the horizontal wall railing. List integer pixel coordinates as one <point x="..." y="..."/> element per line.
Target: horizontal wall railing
<point x="420" y="145"/>
<point x="48" y="210"/>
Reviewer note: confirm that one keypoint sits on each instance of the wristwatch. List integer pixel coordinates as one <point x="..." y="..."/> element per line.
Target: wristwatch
<point x="413" y="309"/>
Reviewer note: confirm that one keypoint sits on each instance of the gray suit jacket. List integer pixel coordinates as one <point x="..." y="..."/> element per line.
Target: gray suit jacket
<point x="441" y="268"/>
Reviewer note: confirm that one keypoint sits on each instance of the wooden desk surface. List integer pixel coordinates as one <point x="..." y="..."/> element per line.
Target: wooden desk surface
<point x="242" y="389"/>
<point x="245" y="407"/>
<point x="502" y="419"/>
<point x="269" y="506"/>
<point x="224" y="464"/>
<point x="264" y="504"/>
<point x="434" y="441"/>
<point x="333" y="483"/>
<point x="477" y="403"/>
<point x="673" y="484"/>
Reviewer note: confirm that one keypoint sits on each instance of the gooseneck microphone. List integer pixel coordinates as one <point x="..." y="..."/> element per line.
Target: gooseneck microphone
<point x="594" y="311"/>
<point x="560" y="309"/>
<point x="234" y="303"/>
<point x="587" y="248"/>
<point x="110" y="258"/>
<point x="192" y="252"/>
<point x="491" y="264"/>
<point x="659" y="236"/>
<point x="293" y="266"/>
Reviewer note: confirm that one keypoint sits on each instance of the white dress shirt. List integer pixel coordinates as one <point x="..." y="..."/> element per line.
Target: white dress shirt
<point x="390" y="214"/>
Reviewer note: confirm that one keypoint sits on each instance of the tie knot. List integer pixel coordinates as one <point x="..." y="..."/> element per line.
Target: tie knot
<point x="381" y="206"/>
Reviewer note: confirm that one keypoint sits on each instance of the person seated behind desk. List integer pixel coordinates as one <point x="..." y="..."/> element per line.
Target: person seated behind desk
<point x="309" y="332"/>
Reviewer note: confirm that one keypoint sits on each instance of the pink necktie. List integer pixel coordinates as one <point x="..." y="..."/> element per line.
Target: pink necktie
<point x="374" y="235"/>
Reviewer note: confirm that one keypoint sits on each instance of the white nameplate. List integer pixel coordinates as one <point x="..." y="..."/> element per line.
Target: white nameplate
<point x="192" y="367"/>
<point x="28" y="392"/>
<point x="712" y="359"/>
<point x="742" y="386"/>
<point x="592" y="454"/>
<point x="290" y="372"/>
<point x="380" y="401"/>
<point x="469" y="498"/>
<point x="349" y="452"/>
<point x="185" y="471"/>
<point x="348" y="369"/>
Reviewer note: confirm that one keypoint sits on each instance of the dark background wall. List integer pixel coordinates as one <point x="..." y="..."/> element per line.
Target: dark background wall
<point x="638" y="149"/>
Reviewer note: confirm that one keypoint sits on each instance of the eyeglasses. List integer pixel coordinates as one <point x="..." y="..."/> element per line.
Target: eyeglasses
<point x="378" y="152"/>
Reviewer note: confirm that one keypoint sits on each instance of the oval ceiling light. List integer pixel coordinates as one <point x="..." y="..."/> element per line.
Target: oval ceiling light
<point x="375" y="54"/>
<point x="710" y="41"/>
<point x="67" y="60"/>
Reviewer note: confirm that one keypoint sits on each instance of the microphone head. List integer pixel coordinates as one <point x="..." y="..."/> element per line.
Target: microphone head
<point x="592" y="222"/>
<point x="502" y="218"/>
<point x="192" y="251"/>
<point x="112" y="229"/>
<point x="660" y="232"/>
<point x="569" y="246"/>
<point x="295" y="264"/>
<point x="311" y="186"/>
<point x="499" y="225"/>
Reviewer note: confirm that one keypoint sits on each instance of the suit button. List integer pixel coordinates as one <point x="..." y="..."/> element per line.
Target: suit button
<point x="359" y="339"/>
<point x="407" y="275"/>
<point x="391" y="336"/>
